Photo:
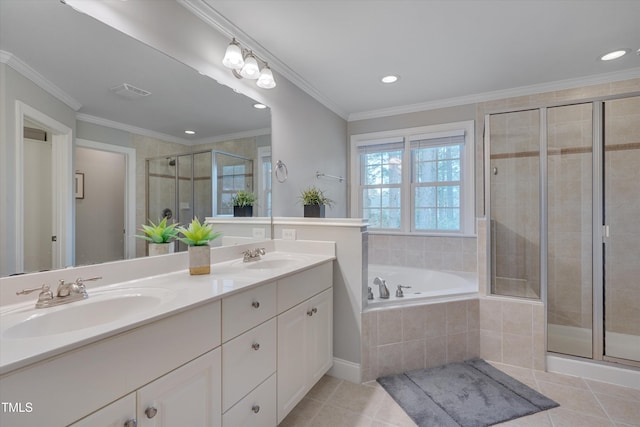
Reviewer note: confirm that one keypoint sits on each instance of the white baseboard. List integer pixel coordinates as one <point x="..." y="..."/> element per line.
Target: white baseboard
<point x="345" y="370"/>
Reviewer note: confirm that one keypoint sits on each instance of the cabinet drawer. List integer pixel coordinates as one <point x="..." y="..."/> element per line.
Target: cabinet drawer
<point x="247" y="309"/>
<point x="247" y="361"/>
<point x="257" y="409"/>
<point x="294" y="289"/>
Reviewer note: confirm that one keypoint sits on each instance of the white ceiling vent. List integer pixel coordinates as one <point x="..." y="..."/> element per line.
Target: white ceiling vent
<point x="129" y="91"/>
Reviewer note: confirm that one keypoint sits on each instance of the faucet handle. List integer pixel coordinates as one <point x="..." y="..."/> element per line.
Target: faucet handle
<point x="80" y="281"/>
<point x="45" y="292"/>
<point x="399" y="292"/>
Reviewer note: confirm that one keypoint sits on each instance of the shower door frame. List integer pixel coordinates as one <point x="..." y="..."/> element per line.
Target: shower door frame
<point x="598" y="206"/>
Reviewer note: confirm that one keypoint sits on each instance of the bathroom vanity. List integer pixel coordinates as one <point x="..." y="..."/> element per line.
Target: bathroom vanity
<point x="239" y="347"/>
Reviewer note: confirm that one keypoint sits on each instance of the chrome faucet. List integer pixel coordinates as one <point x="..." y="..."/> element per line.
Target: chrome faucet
<point x="66" y="292"/>
<point x="382" y="286"/>
<point x="252" y="254"/>
<point x="399" y="292"/>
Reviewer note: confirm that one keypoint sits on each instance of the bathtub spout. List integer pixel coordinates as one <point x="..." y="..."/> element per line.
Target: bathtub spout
<point x="382" y="286"/>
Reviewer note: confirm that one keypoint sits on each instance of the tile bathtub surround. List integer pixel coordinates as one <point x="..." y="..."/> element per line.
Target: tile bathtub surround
<point x="586" y="403"/>
<point x="431" y="252"/>
<point x="512" y="332"/>
<point x="399" y="339"/>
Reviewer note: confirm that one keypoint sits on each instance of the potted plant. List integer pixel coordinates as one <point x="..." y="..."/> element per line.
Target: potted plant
<point x="160" y="236"/>
<point x="197" y="236"/>
<point x="314" y="202"/>
<point x="243" y="203"/>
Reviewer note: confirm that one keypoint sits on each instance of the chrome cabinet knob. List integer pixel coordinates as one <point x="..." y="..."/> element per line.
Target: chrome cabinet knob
<point x="150" y="412"/>
<point x="255" y="304"/>
<point x="131" y="423"/>
<point x="255" y="409"/>
<point x="255" y="346"/>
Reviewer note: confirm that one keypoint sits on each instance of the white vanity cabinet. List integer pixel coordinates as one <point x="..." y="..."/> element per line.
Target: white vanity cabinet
<point x="305" y="341"/>
<point x="188" y="396"/>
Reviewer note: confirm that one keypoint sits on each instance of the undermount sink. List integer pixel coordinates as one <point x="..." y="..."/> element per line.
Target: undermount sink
<point x="100" y="308"/>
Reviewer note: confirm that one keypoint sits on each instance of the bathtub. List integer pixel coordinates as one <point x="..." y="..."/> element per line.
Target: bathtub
<point x="426" y="285"/>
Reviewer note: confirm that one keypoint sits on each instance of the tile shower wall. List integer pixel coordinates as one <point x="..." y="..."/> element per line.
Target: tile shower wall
<point x="399" y="339"/>
<point x="435" y="253"/>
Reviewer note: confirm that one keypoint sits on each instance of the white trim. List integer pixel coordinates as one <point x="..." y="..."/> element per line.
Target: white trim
<point x="27" y="72"/>
<point x="625" y="377"/>
<point x="61" y="185"/>
<point x="130" y="189"/>
<point x="209" y="15"/>
<point x="632" y="73"/>
<point x="263" y="151"/>
<point x="467" y="201"/>
<point x="345" y="370"/>
<point x="132" y="129"/>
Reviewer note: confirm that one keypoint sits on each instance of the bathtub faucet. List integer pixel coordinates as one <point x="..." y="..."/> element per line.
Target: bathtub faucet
<point x="399" y="292"/>
<point x="382" y="285"/>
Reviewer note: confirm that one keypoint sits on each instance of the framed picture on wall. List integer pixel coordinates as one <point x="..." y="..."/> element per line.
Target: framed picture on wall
<point x="79" y="185"/>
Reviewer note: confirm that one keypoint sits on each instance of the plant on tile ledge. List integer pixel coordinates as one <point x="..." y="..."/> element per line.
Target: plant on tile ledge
<point x="197" y="236"/>
<point x="314" y="202"/>
<point x="243" y="202"/>
<point x="160" y="236"/>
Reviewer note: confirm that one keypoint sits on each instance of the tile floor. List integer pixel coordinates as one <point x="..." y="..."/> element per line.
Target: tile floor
<point x="583" y="403"/>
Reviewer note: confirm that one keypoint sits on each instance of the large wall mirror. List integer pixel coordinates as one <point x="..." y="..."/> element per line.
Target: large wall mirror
<point x="96" y="123"/>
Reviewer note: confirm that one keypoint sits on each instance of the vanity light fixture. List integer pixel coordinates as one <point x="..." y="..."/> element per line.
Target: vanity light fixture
<point x="614" y="55"/>
<point x="245" y="64"/>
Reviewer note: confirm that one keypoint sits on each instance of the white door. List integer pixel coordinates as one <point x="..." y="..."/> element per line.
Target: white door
<point x="189" y="396"/>
<point x="320" y="331"/>
<point x="38" y="208"/>
<point x="292" y="365"/>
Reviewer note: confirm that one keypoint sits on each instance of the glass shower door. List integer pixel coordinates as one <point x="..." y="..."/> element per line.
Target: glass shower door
<point x="622" y="230"/>
<point x="515" y="203"/>
<point x="569" y="229"/>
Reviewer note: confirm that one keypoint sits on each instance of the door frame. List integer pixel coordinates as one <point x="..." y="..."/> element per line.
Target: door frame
<point x="130" y="189"/>
<point x="63" y="217"/>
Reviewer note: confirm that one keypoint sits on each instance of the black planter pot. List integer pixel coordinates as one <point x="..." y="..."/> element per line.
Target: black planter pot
<point x="314" y="211"/>
<point x="243" y="211"/>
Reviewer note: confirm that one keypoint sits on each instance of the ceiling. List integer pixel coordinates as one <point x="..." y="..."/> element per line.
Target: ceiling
<point x="80" y="58"/>
<point x="442" y="50"/>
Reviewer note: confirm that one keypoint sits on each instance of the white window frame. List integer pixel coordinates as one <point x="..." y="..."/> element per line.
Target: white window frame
<point x="467" y="196"/>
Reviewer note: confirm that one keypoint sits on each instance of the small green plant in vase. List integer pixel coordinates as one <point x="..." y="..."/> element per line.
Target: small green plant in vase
<point x="197" y="236"/>
<point x="314" y="202"/>
<point x="160" y="236"/>
<point x="243" y="202"/>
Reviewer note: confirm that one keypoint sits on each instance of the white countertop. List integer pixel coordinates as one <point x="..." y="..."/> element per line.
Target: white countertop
<point x="170" y="294"/>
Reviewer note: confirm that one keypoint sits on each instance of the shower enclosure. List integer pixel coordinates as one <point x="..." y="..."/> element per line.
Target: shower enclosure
<point x="563" y="199"/>
<point x="182" y="187"/>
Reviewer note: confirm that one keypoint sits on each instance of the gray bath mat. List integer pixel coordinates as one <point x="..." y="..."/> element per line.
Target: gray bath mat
<point x="468" y="394"/>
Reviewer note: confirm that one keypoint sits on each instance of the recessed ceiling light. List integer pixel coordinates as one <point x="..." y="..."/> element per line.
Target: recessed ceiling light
<point x="389" y="79"/>
<point x="614" y="55"/>
<point x="259" y="106"/>
<point x="190" y="132"/>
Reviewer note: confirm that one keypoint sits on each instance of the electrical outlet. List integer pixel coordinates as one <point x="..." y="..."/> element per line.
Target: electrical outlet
<point x="288" y="234"/>
<point x="258" y="233"/>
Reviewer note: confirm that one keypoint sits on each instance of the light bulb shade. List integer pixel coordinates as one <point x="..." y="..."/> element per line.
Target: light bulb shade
<point x="250" y="70"/>
<point x="233" y="56"/>
<point x="266" y="81"/>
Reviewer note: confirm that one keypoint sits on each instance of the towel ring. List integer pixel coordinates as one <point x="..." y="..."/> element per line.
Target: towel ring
<point x="282" y="173"/>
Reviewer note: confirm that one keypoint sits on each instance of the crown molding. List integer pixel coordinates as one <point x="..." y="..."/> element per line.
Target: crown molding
<point x="26" y="71"/>
<point x="132" y="129"/>
<point x="631" y="73"/>
<point x="232" y="136"/>
<point x="202" y="10"/>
